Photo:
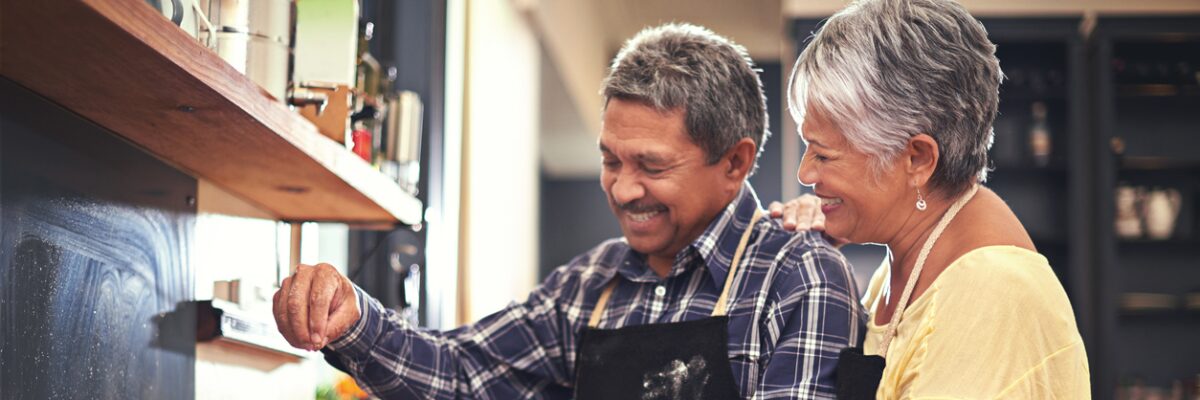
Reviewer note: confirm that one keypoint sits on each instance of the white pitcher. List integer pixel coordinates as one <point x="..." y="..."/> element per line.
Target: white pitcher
<point x="1159" y="209"/>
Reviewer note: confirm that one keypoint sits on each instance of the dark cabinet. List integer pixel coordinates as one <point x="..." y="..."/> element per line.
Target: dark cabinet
<point x="1146" y="117"/>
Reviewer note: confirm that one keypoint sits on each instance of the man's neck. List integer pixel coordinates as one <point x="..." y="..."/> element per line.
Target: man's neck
<point x="661" y="265"/>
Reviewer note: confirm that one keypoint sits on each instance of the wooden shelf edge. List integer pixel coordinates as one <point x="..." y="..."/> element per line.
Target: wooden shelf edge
<point x="121" y="65"/>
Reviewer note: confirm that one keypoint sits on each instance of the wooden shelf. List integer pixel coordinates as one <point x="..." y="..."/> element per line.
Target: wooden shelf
<point x="1146" y="163"/>
<point x="1157" y="90"/>
<point x="126" y="68"/>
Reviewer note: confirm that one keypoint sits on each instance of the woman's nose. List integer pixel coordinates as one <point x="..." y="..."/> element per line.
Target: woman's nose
<point x="806" y="174"/>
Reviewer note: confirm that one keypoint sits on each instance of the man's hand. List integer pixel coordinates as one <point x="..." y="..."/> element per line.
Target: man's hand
<point x="799" y="214"/>
<point x="315" y="306"/>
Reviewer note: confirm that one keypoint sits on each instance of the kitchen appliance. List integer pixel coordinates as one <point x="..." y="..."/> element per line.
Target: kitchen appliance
<point x="254" y="36"/>
<point x="325" y="55"/>
<point x="326" y="105"/>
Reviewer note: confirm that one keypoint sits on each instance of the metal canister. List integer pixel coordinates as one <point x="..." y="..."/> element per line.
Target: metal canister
<point x="254" y="36"/>
<point x="403" y="132"/>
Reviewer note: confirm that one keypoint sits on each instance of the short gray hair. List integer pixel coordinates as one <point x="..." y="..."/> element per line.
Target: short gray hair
<point x="884" y="71"/>
<point x="711" y="78"/>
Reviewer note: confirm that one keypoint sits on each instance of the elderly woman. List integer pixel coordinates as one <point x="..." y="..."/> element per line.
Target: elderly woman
<point x="895" y="100"/>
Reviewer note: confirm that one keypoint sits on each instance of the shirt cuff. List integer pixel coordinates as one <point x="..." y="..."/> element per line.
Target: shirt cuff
<point x="362" y="335"/>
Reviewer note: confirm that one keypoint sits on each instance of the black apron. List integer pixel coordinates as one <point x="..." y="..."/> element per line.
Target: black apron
<point x="858" y="374"/>
<point x="680" y="360"/>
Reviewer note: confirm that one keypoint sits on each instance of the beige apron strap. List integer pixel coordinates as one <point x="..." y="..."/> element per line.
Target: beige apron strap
<point x="916" y="272"/>
<point x="594" y="321"/>
<point x="719" y="309"/>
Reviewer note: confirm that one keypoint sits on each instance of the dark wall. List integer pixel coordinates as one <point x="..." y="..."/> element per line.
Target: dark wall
<point x="94" y="241"/>
<point x="575" y="215"/>
<point x="574" y="218"/>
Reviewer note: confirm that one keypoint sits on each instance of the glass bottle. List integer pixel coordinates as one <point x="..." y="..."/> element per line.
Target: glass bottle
<point x="1039" y="136"/>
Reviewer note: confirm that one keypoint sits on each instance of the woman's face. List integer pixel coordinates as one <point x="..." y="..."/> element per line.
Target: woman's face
<point x="858" y="206"/>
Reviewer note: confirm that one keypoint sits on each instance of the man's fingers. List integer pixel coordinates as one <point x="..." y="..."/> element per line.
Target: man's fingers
<point x="818" y="221"/>
<point x="297" y="305"/>
<point x="324" y="284"/>
<point x="789" y="216"/>
<point x="803" y="217"/>
<point x="280" y="311"/>
<point x="806" y="211"/>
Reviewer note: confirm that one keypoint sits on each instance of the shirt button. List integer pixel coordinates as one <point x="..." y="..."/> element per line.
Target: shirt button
<point x="660" y="291"/>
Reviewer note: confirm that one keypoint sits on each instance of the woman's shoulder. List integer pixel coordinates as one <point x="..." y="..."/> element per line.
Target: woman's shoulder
<point x="998" y="270"/>
<point x="1000" y="303"/>
<point x="1005" y="283"/>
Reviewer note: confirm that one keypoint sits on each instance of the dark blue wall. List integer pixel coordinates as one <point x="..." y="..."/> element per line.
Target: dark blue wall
<point x="94" y="241"/>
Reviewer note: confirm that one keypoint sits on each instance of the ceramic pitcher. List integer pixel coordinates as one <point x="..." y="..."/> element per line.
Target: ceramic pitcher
<point x="1128" y="221"/>
<point x="1160" y="208"/>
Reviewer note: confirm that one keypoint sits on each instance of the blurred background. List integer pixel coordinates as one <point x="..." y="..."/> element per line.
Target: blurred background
<point x="442" y="153"/>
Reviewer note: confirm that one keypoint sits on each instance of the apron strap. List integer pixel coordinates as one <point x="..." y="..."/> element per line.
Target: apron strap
<point x="920" y="264"/>
<point x="719" y="309"/>
<point x="594" y="321"/>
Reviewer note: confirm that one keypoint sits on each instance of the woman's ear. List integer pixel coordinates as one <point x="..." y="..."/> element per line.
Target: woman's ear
<point x="922" y="158"/>
<point x="740" y="159"/>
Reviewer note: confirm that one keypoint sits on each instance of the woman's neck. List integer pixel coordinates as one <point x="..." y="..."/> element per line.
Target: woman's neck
<point x="906" y="244"/>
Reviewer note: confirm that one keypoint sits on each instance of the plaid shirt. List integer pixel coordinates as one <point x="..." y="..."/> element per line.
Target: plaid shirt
<point x="792" y="309"/>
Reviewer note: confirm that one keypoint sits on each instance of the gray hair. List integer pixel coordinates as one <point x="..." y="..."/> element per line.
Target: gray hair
<point x="884" y="71"/>
<point x="687" y="66"/>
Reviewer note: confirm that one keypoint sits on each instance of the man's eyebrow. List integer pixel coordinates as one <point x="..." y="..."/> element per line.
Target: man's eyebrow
<point x="651" y="158"/>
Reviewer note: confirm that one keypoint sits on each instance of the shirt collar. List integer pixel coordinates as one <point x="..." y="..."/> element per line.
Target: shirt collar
<point x="714" y="247"/>
<point x="718" y="243"/>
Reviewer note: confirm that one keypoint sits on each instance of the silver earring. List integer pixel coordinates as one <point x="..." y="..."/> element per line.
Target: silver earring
<point x="920" y="201"/>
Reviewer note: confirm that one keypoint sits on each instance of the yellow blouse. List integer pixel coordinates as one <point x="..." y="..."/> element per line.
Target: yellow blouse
<point x="995" y="324"/>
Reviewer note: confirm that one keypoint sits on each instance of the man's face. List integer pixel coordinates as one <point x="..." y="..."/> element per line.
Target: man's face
<point x="659" y="183"/>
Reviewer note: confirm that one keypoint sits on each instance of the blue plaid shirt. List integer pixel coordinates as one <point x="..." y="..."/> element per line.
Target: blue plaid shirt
<point x="792" y="309"/>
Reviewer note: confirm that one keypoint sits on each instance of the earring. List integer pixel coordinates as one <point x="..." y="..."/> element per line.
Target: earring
<point x="920" y="201"/>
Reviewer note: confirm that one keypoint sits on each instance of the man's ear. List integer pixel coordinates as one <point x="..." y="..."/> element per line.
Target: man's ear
<point x="739" y="160"/>
<point x="921" y="158"/>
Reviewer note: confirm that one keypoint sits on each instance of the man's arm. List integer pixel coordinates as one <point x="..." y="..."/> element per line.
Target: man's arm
<point x="817" y="319"/>
<point x="513" y="353"/>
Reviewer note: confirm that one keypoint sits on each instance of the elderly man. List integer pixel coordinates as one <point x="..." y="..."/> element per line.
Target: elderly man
<point x="701" y="299"/>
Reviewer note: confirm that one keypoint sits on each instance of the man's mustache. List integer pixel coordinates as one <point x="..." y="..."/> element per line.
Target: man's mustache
<point x="639" y="206"/>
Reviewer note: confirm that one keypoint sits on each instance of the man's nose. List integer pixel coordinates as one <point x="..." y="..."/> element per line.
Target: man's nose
<point x="627" y="188"/>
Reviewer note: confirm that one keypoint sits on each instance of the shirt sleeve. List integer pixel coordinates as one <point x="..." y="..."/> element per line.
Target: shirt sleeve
<point x="819" y="316"/>
<point x="514" y="353"/>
